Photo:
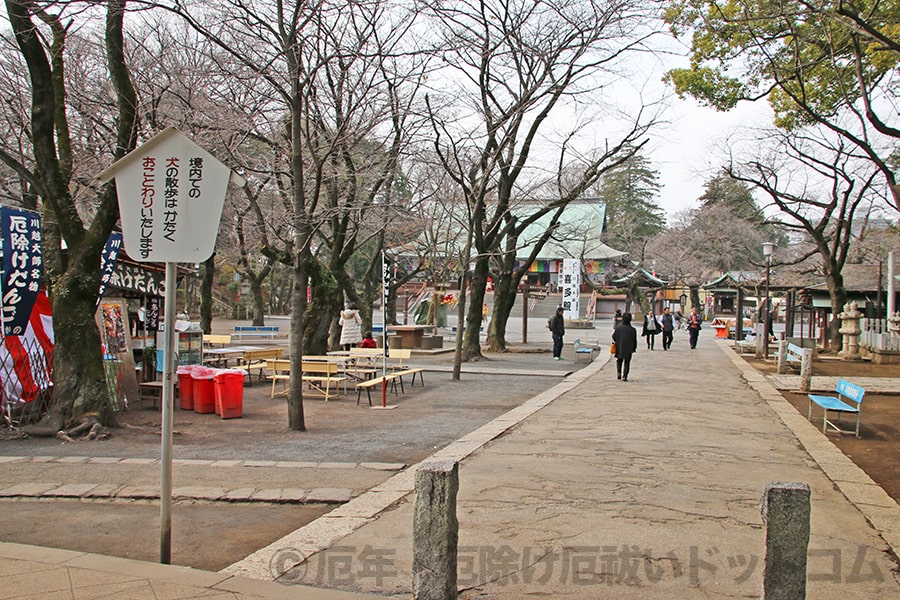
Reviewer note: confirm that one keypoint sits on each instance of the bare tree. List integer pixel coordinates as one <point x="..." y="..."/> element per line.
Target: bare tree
<point x="515" y="64"/>
<point x="326" y="67"/>
<point x="44" y="160"/>
<point x="819" y="184"/>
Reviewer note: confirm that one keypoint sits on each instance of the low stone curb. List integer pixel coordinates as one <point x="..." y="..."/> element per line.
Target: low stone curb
<point x="212" y="494"/>
<point x="109" y="460"/>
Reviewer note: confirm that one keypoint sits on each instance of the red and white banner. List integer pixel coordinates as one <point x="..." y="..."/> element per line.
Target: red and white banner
<point x="26" y="360"/>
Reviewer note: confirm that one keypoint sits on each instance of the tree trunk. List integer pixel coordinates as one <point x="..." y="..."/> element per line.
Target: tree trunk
<point x="79" y="381"/>
<point x="259" y="304"/>
<point x="504" y="301"/>
<point x="835" y="284"/>
<point x="472" y="335"/>
<point x="207" y="274"/>
<point x="296" y="419"/>
<point x="323" y="310"/>
<point x="695" y="299"/>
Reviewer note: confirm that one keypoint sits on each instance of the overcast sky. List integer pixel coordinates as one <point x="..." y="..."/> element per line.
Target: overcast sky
<point x="688" y="151"/>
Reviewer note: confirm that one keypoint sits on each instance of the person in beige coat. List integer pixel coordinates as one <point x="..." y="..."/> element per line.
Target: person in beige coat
<point x="350" y="322"/>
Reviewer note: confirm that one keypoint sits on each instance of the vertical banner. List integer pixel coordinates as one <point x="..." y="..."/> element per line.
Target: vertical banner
<point x="571" y="287"/>
<point x="385" y="289"/>
<point x="108" y="263"/>
<point x="22" y="267"/>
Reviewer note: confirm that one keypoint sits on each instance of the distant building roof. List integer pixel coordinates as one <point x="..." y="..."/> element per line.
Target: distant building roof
<point x="577" y="235"/>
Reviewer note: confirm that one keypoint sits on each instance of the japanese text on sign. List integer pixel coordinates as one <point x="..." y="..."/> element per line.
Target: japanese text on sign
<point x="22" y="267"/>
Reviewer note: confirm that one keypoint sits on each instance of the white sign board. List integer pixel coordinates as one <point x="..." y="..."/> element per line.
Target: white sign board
<point x="571" y="288"/>
<point x="171" y="192"/>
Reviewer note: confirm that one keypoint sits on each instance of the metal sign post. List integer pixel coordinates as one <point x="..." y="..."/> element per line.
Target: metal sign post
<point x="385" y="288"/>
<point x="171" y="193"/>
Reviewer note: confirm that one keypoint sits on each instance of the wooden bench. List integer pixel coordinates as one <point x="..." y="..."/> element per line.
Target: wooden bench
<point x="396" y="356"/>
<point x="150" y="390"/>
<point x="318" y="375"/>
<point x="254" y="331"/>
<point x="413" y="372"/>
<point x="395" y="359"/>
<point x="366" y="353"/>
<point x="214" y="339"/>
<point x="258" y="359"/>
<point x="848" y="400"/>
<point x="280" y="370"/>
<point x="377" y="381"/>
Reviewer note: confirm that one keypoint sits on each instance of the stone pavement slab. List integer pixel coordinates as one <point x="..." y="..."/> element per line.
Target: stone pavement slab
<point x="645" y="489"/>
<point x="48" y="573"/>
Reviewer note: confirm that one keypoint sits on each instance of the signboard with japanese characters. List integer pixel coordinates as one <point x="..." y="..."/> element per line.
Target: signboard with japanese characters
<point x="133" y="278"/>
<point x="571" y="286"/>
<point x="171" y="192"/>
<point x="108" y="263"/>
<point x="22" y="267"/>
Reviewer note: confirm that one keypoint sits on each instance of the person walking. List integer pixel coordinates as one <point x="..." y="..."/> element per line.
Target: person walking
<point x="557" y="327"/>
<point x="668" y="328"/>
<point x="350" y="322"/>
<point x="694" y="321"/>
<point x="651" y="329"/>
<point x="625" y="339"/>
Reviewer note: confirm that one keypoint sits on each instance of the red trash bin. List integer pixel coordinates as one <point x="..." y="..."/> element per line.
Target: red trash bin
<point x="229" y="389"/>
<point x="204" y="391"/>
<point x="185" y="386"/>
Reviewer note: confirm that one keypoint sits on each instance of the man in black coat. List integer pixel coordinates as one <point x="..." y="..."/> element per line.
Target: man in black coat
<point x="625" y="337"/>
<point x="557" y="327"/>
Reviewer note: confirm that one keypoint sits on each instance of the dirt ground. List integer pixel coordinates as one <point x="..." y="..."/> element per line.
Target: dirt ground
<point x="877" y="451"/>
<point x="209" y="535"/>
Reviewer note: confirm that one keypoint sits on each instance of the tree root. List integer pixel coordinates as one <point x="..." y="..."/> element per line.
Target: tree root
<point x="88" y="427"/>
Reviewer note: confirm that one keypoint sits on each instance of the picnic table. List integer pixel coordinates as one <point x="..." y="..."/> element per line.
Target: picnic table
<point x="410" y="335"/>
<point x="220" y="356"/>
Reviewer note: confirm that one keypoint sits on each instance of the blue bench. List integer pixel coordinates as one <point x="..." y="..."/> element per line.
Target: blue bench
<point x="793" y="357"/>
<point x="254" y="331"/>
<point x="583" y="353"/>
<point x="848" y="400"/>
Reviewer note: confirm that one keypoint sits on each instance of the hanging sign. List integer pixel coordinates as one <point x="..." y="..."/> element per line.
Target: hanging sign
<point x="571" y="287"/>
<point x="22" y="267"/>
<point x="171" y="193"/>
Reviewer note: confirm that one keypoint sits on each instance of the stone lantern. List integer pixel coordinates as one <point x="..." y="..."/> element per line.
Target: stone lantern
<point x="894" y="323"/>
<point x="850" y="330"/>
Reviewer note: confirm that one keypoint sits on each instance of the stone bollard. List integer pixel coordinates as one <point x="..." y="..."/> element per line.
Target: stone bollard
<point x="782" y="357"/>
<point x="435" y="531"/>
<point x="760" y="337"/>
<point x="785" y="513"/>
<point x="806" y="369"/>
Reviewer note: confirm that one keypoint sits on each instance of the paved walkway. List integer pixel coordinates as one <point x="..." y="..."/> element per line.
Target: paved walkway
<point x="602" y="488"/>
<point x="595" y="488"/>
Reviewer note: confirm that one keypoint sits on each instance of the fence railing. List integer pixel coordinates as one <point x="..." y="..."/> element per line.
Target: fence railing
<point x="885" y="342"/>
<point x="876" y="325"/>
